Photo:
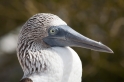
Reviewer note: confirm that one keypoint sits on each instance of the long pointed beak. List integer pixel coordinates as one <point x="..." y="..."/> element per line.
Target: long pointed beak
<point x="79" y="40"/>
<point x="69" y="37"/>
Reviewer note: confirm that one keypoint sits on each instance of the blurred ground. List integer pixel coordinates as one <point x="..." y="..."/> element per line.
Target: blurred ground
<point x="101" y="20"/>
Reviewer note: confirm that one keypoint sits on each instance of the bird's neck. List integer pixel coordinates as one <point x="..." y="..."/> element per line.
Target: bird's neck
<point x="39" y="62"/>
<point x="55" y="64"/>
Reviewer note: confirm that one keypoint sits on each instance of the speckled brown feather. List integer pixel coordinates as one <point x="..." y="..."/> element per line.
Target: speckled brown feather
<point x="26" y="80"/>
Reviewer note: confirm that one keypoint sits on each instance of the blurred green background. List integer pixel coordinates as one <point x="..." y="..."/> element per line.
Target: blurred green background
<point x="101" y="20"/>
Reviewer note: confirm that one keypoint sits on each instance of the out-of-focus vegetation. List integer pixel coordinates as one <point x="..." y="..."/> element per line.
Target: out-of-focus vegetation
<point x="101" y="20"/>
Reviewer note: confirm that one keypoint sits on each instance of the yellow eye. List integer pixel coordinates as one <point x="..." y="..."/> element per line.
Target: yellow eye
<point x="53" y="31"/>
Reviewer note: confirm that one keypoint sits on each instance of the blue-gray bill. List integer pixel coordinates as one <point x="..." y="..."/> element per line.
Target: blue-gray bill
<point x="65" y="36"/>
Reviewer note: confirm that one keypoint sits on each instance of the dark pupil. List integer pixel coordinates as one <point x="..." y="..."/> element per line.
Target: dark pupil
<point x="53" y="30"/>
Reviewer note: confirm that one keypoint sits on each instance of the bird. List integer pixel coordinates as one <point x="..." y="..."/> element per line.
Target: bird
<point x="44" y="50"/>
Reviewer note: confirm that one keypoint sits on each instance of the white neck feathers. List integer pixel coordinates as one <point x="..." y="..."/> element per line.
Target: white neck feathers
<point x="55" y="64"/>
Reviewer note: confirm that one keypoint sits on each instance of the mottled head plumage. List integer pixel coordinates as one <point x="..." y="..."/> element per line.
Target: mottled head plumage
<point x="45" y="19"/>
<point x="36" y="27"/>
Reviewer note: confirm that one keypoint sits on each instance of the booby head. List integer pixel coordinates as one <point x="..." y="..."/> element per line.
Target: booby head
<point x="43" y="31"/>
<point x="53" y="31"/>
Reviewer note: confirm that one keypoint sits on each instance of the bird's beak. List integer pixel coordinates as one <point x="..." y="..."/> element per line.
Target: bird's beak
<point x="66" y="36"/>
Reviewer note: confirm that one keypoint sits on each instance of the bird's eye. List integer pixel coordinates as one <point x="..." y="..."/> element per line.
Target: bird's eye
<point x="53" y="31"/>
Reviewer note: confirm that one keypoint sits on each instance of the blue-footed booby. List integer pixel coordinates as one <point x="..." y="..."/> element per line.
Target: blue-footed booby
<point x="44" y="50"/>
